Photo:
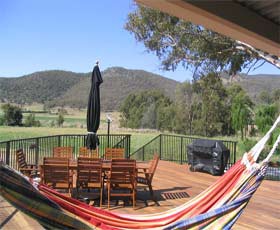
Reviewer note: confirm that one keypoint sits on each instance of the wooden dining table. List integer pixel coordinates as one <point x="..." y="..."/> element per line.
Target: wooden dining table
<point x="106" y="165"/>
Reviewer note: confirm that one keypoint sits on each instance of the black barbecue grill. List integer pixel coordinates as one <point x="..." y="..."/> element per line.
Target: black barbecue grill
<point x="207" y="156"/>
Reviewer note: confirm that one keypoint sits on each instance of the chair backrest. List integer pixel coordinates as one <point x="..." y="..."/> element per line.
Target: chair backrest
<point x="56" y="161"/>
<point x="85" y="152"/>
<point x="153" y="166"/>
<point x="114" y="153"/>
<point x="123" y="171"/>
<point x="21" y="158"/>
<point x="55" y="170"/>
<point x="64" y="152"/>
<point x="89" y="170"/>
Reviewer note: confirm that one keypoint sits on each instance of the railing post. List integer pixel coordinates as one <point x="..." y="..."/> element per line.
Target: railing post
<point x="58" y="140"/>
<point x="128" y="145"/>
<point x="143" y="153"/>
<point x="160" y="147"/>
<point x="8" y="153"/>
<point x="37" y="151"/>
<point x="181" y="157"/>
<point x="234" y="156"/>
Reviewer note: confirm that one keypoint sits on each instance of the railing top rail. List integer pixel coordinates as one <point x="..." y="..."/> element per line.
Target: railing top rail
<point x="32" y="138"/>
<point x="192" y="137"/>
<point x="26" y="139"/>
<point x="131" y="154"/>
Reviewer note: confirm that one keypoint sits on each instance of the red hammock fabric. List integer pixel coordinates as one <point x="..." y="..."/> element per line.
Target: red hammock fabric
<point x="108" y="220"/>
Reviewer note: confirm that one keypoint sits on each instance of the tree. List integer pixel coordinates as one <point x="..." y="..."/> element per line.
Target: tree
<point x="166" y="118"/>
<point x="12" y="115"/>
<point x="132" y="110"/>
<point x="60" y="120"/>
<point x="186" y="108"/>
<point x="140" y="110"/>
<point x="232" y="91"/>
<point x="276" y="95"/>
<point x="31" y="121"/>
<point x="265" y="97"/>
<point x="213" y="109"/>
<point x="241" y="112"/>
<point x="177" y="42"/>
<point x="149" y="118"/>
<point x="265" y="116"/>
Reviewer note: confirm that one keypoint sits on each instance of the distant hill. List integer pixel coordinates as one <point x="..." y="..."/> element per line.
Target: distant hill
<point x="255" y="84"/>
<point x="117" y="84"/>
<point x="57" y="88"/>
<point x="37" y="87"/>
<point x="64" y="88"/>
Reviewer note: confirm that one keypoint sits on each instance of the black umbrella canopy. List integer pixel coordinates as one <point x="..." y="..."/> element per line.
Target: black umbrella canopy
<point x="93" y="110"/>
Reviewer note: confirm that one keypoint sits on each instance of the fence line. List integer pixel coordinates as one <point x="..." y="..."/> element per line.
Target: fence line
<point x="37" y="148"/>
<point x="174" y="148"/>
<point x="169" y="147"/>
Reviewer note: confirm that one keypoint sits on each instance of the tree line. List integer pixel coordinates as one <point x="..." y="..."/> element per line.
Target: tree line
<point x="204" y="107"/>
<point x="13" y="116"/>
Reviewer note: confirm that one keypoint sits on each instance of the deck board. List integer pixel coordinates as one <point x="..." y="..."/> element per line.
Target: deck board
<point x="174" y="184"/>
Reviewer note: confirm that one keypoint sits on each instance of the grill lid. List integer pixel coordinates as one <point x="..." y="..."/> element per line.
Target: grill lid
<point x="209" y="144"/>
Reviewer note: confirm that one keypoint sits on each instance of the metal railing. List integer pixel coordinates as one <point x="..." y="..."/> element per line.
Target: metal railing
<point x="37" y="148"/>
<point x="174" y="148"/>
<point x="169" y="147"/>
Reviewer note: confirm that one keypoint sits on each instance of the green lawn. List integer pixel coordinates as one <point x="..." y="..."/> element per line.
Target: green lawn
<point x="12" y="133"/>
<point x="46" y="119"/>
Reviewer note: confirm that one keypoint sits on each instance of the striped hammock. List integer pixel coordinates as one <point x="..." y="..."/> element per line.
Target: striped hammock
<point x="218" y="207"/>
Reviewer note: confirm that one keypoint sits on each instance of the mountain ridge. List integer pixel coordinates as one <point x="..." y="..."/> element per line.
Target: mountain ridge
<point x="67" y="88"/>
<point x="118" y="83"/>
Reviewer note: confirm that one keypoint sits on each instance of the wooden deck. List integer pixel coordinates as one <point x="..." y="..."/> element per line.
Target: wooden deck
<point x="175" y="184"/>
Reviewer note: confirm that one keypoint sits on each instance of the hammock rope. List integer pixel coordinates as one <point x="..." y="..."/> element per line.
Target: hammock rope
<point x="219" y="206"/>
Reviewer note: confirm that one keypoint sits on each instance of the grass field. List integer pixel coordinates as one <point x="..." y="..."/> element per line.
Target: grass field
<point x="12" y="133"/>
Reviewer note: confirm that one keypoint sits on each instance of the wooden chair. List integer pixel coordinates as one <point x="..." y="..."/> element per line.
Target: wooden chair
<point x="114" y="153"/>
<point x="145" y="178"/>
<point x="56" y="173"/>
<point x="64" y="152"/>
<point x="122" y="179"/>
<point x="29" y="170"/>
<point x="89" y="175"/>
<point x="85" y="152"/>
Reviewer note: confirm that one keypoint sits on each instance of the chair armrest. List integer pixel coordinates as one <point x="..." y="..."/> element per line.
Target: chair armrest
<point x="26" y="169"/>
<point x="32" y="166"/>
<point x="144" y="173"/>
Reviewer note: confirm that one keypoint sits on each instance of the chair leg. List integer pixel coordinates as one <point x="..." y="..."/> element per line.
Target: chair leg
<point x="151" y="191"/>
<point x="77" y="190"/>
<point x="108" y="187"/>
<point x="101" y="191"/>
<point x="133" y="198"/>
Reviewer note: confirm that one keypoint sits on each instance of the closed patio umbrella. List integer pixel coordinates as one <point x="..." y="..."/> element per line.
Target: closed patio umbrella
<point x="93" y="110"/>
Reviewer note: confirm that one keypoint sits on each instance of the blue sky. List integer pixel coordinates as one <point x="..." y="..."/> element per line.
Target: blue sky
<point x="38" y="35"/>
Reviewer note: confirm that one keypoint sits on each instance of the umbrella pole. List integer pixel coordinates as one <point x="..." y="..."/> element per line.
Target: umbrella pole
<point x="108" y="133"/>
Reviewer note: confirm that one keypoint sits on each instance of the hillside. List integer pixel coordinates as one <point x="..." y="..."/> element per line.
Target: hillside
<point x="117" y="84"/>
<point x="37" y="87"/>
<point x="255" y="84"/>
<point x="64" y="88"/>
<point x="57" y="88"/>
